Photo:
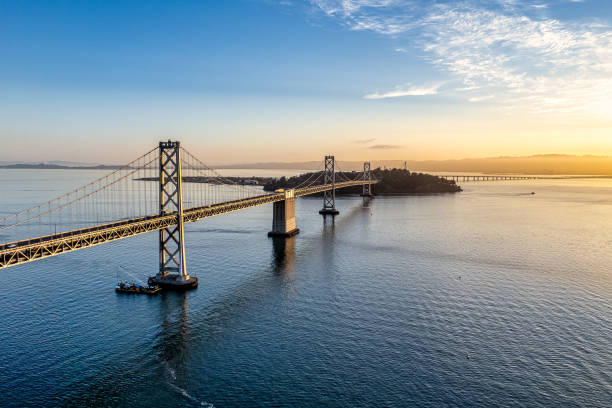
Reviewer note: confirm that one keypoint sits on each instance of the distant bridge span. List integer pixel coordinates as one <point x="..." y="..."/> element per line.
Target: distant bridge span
<point x="484" y="177"/>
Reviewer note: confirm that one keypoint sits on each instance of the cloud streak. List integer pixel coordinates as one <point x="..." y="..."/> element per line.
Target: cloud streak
<point x="384" y="147"/>
<point x="399" y="92"/>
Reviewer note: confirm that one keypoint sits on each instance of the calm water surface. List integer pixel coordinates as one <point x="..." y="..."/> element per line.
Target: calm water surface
<point x="491" y="297"/>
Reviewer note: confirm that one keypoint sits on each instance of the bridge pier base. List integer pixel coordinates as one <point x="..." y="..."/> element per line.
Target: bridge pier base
<point x="283" y="217"/>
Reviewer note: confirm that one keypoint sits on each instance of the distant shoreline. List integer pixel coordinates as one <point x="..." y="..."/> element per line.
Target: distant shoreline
<point x="304" y="167"/>
<point x="42" y="166"/>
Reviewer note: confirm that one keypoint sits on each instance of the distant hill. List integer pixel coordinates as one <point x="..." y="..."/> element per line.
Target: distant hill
<point x="48" y="166"/>
<point x="62" y="163"/>
<point x="545" y="164"/>
<point x="308" y="165"/>
<point x="548" y="164"/>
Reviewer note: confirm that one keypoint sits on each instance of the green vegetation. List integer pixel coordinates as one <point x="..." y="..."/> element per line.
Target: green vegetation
<point x="393" y="181"/>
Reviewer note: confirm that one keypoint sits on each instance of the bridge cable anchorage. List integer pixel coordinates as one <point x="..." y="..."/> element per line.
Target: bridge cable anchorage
<point x="283" y="211"/>
<point x="329" y="197"/>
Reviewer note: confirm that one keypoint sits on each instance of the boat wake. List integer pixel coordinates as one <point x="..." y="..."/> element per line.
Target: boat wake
<point x="172" y="377"/>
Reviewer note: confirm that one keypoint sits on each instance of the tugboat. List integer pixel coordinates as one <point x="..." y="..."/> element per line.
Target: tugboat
<point x="130" y="287"/>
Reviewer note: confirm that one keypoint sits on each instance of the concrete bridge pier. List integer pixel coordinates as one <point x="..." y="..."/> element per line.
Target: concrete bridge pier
<point x="283" y="218"/>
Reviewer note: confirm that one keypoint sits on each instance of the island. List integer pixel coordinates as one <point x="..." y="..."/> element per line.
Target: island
<point x="390" y="181"/>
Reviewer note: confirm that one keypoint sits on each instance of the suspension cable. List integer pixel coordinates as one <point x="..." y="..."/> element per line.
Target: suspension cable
<point x="217" y="175"/>
<point x="48" y="203"/>
<point x="55" y="209"/>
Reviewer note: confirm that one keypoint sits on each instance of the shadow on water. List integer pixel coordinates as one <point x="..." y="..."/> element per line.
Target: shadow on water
<point x="330" y="223"/>
<point x="174" y="342"/>
<point x="174" y="332"/>
<point x="139" y="377"/>
<point x="184" y="332"/>
<point x="195" y="328"/>
<point x="205" y="324"/>
<point x="283" y="259"/>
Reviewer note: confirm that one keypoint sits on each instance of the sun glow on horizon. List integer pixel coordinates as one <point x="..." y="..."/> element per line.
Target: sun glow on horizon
<point x="288" y="81"/>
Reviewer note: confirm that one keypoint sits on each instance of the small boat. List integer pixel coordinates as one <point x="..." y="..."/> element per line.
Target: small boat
<point x="129" y="287"/>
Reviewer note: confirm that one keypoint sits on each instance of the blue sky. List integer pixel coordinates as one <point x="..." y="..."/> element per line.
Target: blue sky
<point x="259" y="80"/>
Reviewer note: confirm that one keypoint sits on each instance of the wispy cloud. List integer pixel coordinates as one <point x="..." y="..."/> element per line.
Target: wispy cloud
<point x="399" y="92"/>
<point x="508" y="48"/>
<point x="384" y="147"/>
<point x="363" y="141"/>
<point x="544" y="64"/>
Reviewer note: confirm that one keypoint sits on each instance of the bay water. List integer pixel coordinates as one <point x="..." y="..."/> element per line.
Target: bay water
<point x="490" y="297"/>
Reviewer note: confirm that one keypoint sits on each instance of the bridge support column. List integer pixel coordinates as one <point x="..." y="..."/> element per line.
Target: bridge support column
<point x="283" y="218"/>
<point x="367" y="178"/>
<point x="172" y="268"/>
<point x="329" y="197"/>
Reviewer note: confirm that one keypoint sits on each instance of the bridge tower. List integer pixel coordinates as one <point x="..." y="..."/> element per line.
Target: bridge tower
<point x="172" y="268"/>
<point x="329" y="197"/>
<point x="367" y="178"/>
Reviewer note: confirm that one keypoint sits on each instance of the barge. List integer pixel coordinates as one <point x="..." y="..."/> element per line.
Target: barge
<point x="129" y="287"/>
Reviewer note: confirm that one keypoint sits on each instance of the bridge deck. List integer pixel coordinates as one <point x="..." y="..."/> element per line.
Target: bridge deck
<point x="18" y="252"/>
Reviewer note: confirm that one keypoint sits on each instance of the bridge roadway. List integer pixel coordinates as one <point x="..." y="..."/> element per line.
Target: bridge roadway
<point x="18" y="252"/>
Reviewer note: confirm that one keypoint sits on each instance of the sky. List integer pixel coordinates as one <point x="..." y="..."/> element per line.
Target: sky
<point x="240" y="81"/>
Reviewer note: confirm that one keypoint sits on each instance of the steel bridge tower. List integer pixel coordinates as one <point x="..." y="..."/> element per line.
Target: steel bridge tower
<point x="172" y="267"/>
<point x="367" y="179"/>
<point x="329" y="197"/>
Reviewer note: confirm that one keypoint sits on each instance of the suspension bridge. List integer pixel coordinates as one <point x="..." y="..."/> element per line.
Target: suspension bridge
<point x="159" y="191"/>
